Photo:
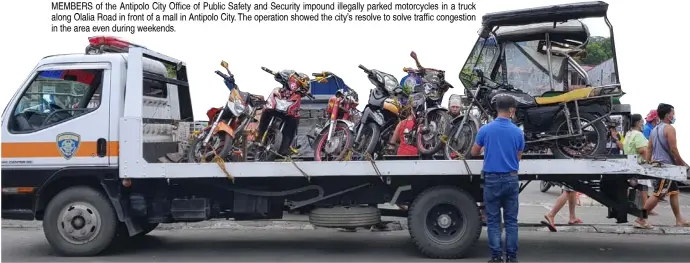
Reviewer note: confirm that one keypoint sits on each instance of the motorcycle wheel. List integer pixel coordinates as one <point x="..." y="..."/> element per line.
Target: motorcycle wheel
<point x="222" y="148"/>
<point x="573" y="148"/>
<point x="460" y="141"/>
<point x="544" y="186"/>
<point x="343" y="143"/>
<point x="274" y="138"/>
<point x="369" y="139"/>
<point x="439" y="124"/>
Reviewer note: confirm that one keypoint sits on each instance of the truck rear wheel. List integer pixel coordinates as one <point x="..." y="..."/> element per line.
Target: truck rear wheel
<point x="80" y="221"/>
<point x="444" y="222"/>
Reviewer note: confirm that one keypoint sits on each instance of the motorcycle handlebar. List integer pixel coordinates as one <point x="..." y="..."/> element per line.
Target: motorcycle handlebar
<point x="317" y="74"/>
<point x="364" y="68"/>
<point x="310" y="96"/>
<point x="268" y="70"/>
<point x="221" y="74"/>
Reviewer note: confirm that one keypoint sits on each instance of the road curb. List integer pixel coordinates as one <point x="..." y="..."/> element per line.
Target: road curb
<point x="389" y="226"/>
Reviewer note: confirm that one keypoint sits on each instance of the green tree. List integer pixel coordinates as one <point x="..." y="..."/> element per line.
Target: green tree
<point x="172" y="73"/>
<point x="598" y="50"/>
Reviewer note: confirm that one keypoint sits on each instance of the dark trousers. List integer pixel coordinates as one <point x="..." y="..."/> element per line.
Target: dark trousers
<point x="501" y="191"/>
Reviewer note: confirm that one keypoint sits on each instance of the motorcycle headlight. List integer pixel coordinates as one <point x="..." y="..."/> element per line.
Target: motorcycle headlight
<point x="282" y="105"/>
<point x="391" y="84"/>
<point x="237" y="109"/>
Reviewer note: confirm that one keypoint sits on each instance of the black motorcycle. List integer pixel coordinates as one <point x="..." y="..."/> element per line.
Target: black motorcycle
<point x="381" y="114"/>
<point x="432" y="120"/>
<point x="569" y="128"/>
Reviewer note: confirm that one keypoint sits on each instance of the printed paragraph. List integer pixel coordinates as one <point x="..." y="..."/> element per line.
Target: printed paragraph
<point x="162" y="17"/>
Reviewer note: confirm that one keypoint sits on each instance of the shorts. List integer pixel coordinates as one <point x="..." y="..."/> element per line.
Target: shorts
<point x="663" y="187"/>
<point x="564" y="187"/>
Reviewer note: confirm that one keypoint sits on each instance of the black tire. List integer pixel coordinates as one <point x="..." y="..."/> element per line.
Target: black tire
<point x="599" y="127"/>
<point x="224" y="150"/>
<point x="453" y="136"/>
<point x="373" y="140"/>
<point x="263" y="155"/>
<point x="345" y="217"/>
<point x="443" y="130"/>
<point x="324" y="134"/>
<point x="97" y="210"/>
<point x="544" y="186"/>
<point x="463" y="239"/>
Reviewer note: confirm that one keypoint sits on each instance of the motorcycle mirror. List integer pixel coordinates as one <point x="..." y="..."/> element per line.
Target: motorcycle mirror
<point x="479" y="72"/>
<point x="416" y="60"/>
<point x="413" y="55"/>
<point x="224" y="64"/>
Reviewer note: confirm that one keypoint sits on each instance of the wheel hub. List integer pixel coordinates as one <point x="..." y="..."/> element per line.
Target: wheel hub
<point x="79" y="223"/>
<point x="444" y="221"/>
<point x="332" y="144"/>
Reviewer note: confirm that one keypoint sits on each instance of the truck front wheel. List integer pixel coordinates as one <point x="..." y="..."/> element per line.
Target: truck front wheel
<point x="80" y="221"/>
<point x="444" y="222"/>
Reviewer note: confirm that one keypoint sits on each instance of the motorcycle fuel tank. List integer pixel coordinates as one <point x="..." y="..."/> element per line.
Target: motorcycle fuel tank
<point x="523" y="100"/>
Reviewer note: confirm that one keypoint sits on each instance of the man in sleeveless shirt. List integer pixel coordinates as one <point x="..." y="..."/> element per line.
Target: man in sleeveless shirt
<point x="662" y="148"/>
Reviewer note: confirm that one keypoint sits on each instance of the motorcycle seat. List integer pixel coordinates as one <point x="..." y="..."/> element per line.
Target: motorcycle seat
<point x="572" y="95"/>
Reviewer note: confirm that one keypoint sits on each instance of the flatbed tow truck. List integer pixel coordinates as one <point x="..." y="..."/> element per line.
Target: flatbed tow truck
<point x="92" y="173"/>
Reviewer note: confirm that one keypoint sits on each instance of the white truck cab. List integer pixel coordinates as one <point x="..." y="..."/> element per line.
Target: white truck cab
<point x="83" y="137"/>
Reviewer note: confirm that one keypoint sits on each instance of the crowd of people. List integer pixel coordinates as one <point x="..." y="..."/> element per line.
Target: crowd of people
<point x="652" y="139"/>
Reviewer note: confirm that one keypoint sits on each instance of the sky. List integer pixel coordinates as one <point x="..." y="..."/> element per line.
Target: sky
<point x="647" y="73"/>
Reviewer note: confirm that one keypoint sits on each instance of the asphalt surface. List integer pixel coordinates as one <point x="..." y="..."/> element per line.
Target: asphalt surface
<point x="331" y="246"/>
<point x="297" y="241"/>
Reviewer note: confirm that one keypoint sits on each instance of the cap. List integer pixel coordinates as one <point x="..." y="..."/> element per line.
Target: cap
<point x="651" y="116"/>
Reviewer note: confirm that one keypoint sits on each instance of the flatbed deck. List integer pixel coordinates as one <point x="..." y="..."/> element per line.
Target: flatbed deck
<point x="535" y="167"/>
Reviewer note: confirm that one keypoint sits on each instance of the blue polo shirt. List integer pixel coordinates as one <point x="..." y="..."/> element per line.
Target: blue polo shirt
<point x="502" y="140"/>
<point x="647" y="129"/>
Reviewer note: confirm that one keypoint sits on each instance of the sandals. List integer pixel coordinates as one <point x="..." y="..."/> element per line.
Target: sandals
<point x="640" y="225"/>
<point x="549" y="223"/>
<point x="684" y="224"/>
<point x="575" y="222"/>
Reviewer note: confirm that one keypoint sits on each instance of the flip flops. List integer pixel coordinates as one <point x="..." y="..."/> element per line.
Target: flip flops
<point x="575" y="222"/>
<point x="549" y="223"/>
<point x="642" y="225"/>
<point x="684" y="224"/>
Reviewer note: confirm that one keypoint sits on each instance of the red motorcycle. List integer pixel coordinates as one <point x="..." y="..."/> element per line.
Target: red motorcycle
<point x="280" y="117"/>
<point x="333" y="139"/>
<point x="226" y="126"/>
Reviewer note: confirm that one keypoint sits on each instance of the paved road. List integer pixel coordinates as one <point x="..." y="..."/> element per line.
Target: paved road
<point x="331" y="246"/>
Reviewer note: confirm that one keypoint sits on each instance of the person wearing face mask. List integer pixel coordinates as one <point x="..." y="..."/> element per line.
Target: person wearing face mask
<point x="662" y="148"/>
<point x="636" y="144"/>
<point x="503" y="143"/>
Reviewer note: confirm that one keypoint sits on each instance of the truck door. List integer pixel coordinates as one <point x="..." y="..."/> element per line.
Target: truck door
<point x="59" y="119"/>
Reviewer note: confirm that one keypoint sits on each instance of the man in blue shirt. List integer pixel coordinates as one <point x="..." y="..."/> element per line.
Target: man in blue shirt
<point x="652" y="120"/>
<point x="503" y="143"/>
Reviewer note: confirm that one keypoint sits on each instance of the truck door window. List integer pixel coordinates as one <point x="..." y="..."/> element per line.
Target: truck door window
<point x="57" y="96"/>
